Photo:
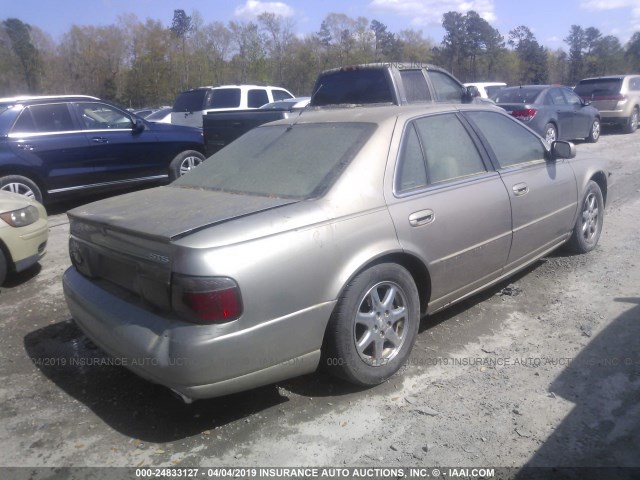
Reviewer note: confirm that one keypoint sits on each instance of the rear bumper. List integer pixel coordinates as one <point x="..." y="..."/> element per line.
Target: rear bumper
<point x="195" y="360"/>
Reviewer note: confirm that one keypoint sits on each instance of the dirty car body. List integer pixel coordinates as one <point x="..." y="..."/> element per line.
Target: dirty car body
<point x="322" y="241"/>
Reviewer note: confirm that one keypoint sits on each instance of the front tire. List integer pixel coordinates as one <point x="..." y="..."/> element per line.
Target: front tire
<point x="21" y="185"/>
<point x="588" y="226"/>
<point x="374" y="325"/>
<point x="183" y="163"/>
<point x="594" y="133"/>
<point x="3" y="267"/>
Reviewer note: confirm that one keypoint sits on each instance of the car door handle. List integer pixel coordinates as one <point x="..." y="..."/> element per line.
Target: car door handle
<point x="99" y="140"/>
<point x="26" y="146"/>
<point x="520" y="189"/>
<point x="422" y="217"/>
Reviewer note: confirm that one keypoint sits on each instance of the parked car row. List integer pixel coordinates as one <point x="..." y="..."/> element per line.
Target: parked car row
<point x="55" y="146"/>
<point x="372" y="187"/>
<point x="558" y="112"/>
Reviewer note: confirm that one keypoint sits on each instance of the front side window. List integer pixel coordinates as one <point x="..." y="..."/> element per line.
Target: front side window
<point x="280" y="95"/>
<point x="446" y="88"/>
<point x="512" y="143"/>
<point x="100" y="116"/>
<point x="48" y="118"/>
<point x="572" y="98"/>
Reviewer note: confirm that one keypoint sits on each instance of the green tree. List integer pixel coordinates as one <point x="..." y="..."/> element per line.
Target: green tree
<point x="19" y="35"/>
<point x="531" y="55"/>
<point x="632" y="53"/>
<point x="181" y="28"/>
<point x="387" y="45"/>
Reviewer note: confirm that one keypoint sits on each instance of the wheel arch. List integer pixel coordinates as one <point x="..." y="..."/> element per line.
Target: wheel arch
<point x="416" y="268"/>
<point x="601" y="179"/>
<point x="6" y="170"/>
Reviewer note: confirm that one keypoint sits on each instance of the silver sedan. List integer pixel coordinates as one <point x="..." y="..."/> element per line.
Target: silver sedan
<point x="322" y="240"/>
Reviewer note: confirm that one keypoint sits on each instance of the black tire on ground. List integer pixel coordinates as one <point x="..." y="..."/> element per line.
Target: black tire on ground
<point x="594" y="132"/>
<point x="3" y="267"/>
<point x="632" y="122"/>
<point x="374" y="325"/>
<point x="22" y="185"/>
<point x="183" y="163"/>
<point x="588" y="226"/>
<point x="550" y="133"/>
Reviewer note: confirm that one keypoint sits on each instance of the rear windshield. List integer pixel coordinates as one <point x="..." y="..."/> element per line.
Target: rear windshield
<point x="191" y="101"/>
<point x="358" y="86"/>
<point x="224" y="98"/>
<point x="517" y="95"/>
<point x="298" y="162"/>
<point x="599" y="87"/>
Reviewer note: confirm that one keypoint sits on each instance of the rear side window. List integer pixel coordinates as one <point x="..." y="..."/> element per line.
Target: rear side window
<point x="448" y="148"/>
<point x="415" y="86"/>
<point x="518" y="95"/>
<point x="412" y="173"/>
<point x="44" y="118"/>
<point x="358" y="86"/>
<point x="257" y="97"/>
<point x="599" y="87"/>
<point x="224" y="98"/>
<point x="634" y="84"/>
<point x="446" y="88"/>
<point x="191" y="101"/>
<point x="510" y="142"/>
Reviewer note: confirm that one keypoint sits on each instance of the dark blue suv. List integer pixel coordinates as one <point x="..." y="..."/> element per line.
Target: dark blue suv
<point x="60" y="145"/>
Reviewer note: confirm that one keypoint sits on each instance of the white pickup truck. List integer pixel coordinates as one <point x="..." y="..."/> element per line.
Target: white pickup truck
<point x="190" y="105"/>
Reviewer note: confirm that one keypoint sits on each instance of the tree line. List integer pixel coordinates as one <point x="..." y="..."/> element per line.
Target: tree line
<point x="147" y="63"/>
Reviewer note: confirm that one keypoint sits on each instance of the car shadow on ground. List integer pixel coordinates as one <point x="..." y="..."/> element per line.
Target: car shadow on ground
<point x="126" y="402"/>
<point x="601" y="435"/>
<point x="15" y="279"/>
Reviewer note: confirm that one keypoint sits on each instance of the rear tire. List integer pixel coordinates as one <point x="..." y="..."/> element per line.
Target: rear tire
<point x="588" y="226"/>
<point x="374" y="325"/>
<point x="550" y="133"/>
<point x="22" y="185"/>
<point x="632" y="122"/>
<point x="183" y="163"/>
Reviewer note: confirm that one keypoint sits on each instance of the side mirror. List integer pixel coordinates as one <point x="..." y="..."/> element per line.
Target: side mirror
<point x="138" y="125"/>
<point x="469" y="93"/>
<point x="561" y="149"/>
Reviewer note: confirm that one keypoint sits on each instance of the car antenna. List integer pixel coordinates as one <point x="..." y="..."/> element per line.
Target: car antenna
<point x="292" y="124"/>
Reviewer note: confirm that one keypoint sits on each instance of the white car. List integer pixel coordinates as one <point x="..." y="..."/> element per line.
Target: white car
<point x="23" y="233"/>
<point x="191" y="105"/>
<point x="487" y="89"/>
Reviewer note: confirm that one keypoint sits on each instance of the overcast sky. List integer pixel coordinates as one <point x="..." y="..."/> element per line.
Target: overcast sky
<point x="550" y="20"/>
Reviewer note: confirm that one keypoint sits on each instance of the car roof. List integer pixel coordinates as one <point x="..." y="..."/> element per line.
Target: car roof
<point x="380" y="114"/>
<point x="380" y="65"/>
<point x="41" y="98"/>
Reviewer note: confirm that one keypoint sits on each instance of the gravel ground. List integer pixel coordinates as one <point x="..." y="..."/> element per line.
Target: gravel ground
<point x="543" y="370"/>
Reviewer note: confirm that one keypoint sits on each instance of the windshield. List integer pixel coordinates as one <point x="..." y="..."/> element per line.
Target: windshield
<point x="282" y="161"/>
<point x="599" y="87"/>
<point x="357" y="86"/>
<point x="518" y="95"/>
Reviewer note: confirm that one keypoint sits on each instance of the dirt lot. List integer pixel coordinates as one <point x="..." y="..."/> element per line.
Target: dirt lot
<point x="543" y="370"/>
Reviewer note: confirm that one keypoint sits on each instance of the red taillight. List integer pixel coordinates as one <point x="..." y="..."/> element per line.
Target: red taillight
<point x="206" y="299"/>
<point x="525" y="114"/>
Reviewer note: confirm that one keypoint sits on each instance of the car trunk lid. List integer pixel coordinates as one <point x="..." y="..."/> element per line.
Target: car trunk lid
<point x="125" y="242"/>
